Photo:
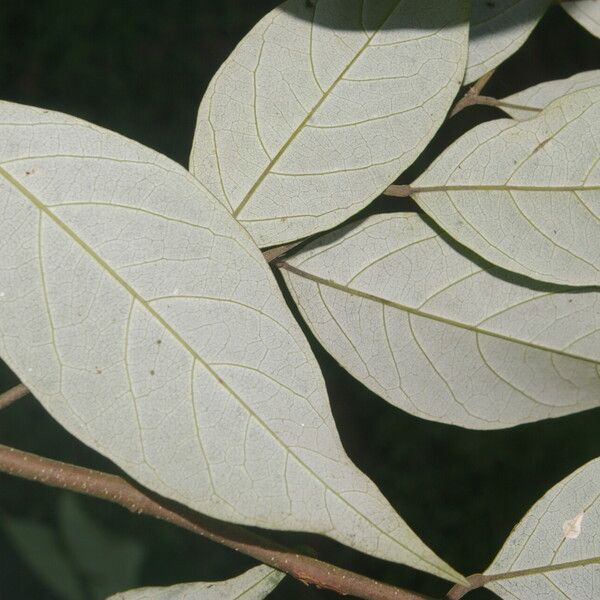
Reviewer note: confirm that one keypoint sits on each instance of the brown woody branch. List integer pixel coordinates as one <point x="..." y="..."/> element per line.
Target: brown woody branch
<point x="12" y="395"/>
<point x="310" y="571"/>
<point x="306" y="569"/>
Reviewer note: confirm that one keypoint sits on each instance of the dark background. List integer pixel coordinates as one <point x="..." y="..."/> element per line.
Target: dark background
<point x="140" y="68"/>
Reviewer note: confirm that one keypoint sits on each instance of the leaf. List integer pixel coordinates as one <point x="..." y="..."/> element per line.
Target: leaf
<point x="553" y="553"/>
<point x="321" y="107"/>
<point x="586" y="13"/>
<point x="40" y="548"/>
<point x="255" y="584"/>
<point x="528" y="103"/>
<point x="79" y="561"/>
<point x="498" y="29"/>
<point x="526" y="195"/>
<point x="147" y="322"/>
<point x="440" y="337"/>
<point x="108" y="561"/>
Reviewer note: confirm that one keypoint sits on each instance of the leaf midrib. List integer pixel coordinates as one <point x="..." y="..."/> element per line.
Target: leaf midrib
<point x="545" y="569"/>
<point x="427" y="315"/>
<point x="110" y="271"/>
<point x="311" y="113"/>
<point x="269" y="575"/>
<point x="505" y="188"/>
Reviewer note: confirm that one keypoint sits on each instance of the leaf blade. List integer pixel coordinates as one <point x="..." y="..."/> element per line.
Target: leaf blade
<point x="586" y="13"/>
<point x="151" y="327"/>
<point x="255" y="584"/>
<point x="544" y="200"/>
<point x="108" y="561"/>
<point x="498" y="30"/>
<point x="551" y="553"/>
<point x="440" y="336"/>
<point x="40" y="548"/>
<point x="529" y="102"/>
<point x="308" y="140"/>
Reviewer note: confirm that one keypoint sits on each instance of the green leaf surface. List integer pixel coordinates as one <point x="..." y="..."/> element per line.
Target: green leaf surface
<point x="80" y="559"/>
<point x="441" y="337"/>
<point x="586" y="13"/>
<point x="498" y="29"/>
<point x="39" y="546"/>
<point x="525" y="195"/>
<point x="321" y="107"/>
<point x="147" y="322"/>
<point x="554" y="552"/>
<point x="529" y="102"/>
<point x="108" y="561"/>
<point x="255" y="584"/>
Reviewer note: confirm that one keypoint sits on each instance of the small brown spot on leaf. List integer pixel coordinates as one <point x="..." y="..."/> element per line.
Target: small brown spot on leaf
<point x="152" y="372"/>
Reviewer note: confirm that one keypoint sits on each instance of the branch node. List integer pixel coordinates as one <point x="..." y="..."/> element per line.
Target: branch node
<point x="473" y="95"/>
<point x="399" y="191"/>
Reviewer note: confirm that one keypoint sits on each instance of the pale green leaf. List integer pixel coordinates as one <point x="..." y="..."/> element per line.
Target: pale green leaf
<point x="40" y="548"/>
<point x="525" y="195"/>
<point x="528" y="103"/>
<point x="586" y="13"/>
<point x="109" y="561"/>
<point x="498" y="29"/>
<point x="321" y="107"/>
<point x="146" y="321"/>
<point x="554" y="552"/>
<point x="442" y="338"/>
<point x="79" y="560"/>
<point x="255" y="584"/>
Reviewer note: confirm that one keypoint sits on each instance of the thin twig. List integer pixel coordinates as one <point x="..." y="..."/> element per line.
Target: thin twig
<point x="272" y="254"/>
<point x="478" y="86"/>
<point x="12" y="395"/>
<point x="308" y="570"/>
<point x="458" y="591"/>
<point x="473" y="95"/>
<point x="399" y="191"/>
<point x="472" y="100"/>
